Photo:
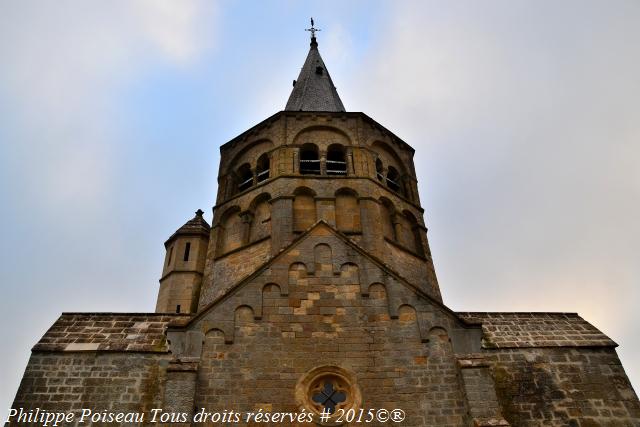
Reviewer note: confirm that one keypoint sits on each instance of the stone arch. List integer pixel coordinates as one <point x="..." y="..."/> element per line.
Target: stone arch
<point x="249" y="154"/>
<point x="213" y="334"/>
<point x="413" y="237"/>
<point x="388" y="155"/>
<point x="263" y="168"/>
<point x="350" y="273"/>
<point x="379" y="170"/>
<point x="377" y="291"/>
<point x="387" y="218"/>
<point x="304" y="209"/>
<point x="322" y="136"/>
<point x="271" y="288"/>
<point x="298" y="274"/>
<point x="230" y="231"/>
<point x="323" y="259"/>
<point x="439" y="341"/>
<point x="394" y="180"/>
<point x="261" y="217"/>
<point x="407" y="314"/>
<point x="347" y="210"/>
<point x="336" y="160"/>
<point x="244" y="177"/>
<point x="309" y="159"/>
<point x="271" y="294"/>
<point x="243" y="314"/>
<point x="387" y="160"/>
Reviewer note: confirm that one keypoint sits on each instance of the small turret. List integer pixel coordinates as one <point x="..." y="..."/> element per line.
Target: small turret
<point x="183" y="267"/>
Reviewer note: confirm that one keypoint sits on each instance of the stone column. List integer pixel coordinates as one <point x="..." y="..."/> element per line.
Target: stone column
<point x="372" y="237"/>
<point x="281" y="222"/>
<point x="326" y="209"/>
<point x="246" y="218"/>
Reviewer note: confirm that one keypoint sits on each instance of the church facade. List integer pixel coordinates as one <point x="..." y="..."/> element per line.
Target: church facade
<point x="314" y="292"/>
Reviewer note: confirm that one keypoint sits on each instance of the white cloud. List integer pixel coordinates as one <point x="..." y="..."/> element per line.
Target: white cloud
<point x="64" y="63"/>
<point x="525" y="121"/>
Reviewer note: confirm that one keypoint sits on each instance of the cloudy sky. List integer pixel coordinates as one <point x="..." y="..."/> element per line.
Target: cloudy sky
<point x="524" y="115"/>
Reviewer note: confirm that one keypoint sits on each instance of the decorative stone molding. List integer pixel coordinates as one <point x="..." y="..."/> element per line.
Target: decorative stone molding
<point x="328" y="382"/>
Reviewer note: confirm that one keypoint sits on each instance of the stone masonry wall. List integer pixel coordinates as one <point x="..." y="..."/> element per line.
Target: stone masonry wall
<point x="584" y="387"/>
<point x="71" y="381"/>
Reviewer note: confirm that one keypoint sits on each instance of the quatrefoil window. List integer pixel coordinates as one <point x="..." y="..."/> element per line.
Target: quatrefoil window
<point x="329" y="395"/>
<point x="328" y="389"/>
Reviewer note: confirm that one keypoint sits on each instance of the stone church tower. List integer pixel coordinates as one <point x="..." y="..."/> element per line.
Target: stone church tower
<point x="314" y="290"/>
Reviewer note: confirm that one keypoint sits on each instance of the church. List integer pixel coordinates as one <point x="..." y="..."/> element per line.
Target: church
<point x="312" y="299"/>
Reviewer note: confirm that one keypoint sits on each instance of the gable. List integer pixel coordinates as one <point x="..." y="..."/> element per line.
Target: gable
<point x="342" y="276"/>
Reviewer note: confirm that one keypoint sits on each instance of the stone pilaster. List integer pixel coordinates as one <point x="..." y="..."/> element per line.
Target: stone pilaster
<point x="479" y="389"/>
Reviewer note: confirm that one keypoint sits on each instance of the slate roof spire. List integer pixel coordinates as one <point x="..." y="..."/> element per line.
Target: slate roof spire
<point x="314" y="89"/>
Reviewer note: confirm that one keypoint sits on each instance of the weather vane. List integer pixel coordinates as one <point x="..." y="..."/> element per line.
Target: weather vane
<point x="313" y="30"/>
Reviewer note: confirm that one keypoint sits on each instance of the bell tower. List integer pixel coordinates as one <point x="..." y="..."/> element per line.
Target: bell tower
<point x="312" y="162"/>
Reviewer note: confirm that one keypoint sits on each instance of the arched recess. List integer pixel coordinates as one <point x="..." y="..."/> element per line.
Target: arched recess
<point x="377" y="291"/>
<point x="414" y="233"/>
<point x="243" y="315"/>
<point x="408" y="319"/>
<point x="347" y="210"/>
<point x="387" y="217"/>
<point x="439" y="342"/>
<point x="263" y="169"/>
<point x="396" y="171"/>
<point x="244" y="177"/>
<point x="231" y="231"/>
<point x="214" y="340"/>
<point x="271" y="295"/>
<point x="350" y="274"/>
<point x="394" y="180"/>
<point x="309" y="159"/>
<point x="407" y="314"/>
<point x="379" y="170"/>
<point x="297" y="274"/>
<point x="261" y="222"/>
<point x="336" y="160"/>
<point x="323" y="259"/>
<point x="304" y="209"/>
<point x="248" y="154"/>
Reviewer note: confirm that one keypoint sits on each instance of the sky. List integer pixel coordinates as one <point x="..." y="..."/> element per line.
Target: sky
<point x="524" y="115"/>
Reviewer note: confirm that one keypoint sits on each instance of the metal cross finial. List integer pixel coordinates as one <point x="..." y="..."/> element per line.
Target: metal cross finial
<point x="313" y="30"/>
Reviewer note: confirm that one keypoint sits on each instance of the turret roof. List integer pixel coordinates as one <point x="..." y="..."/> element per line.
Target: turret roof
<point x="196" y="225"/>
<point x="314" y="89"/>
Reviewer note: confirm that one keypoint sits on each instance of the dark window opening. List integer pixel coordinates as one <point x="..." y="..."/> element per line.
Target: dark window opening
<point x="336" y="161"/>
<point x="187" y="249"/>
<point x="178" y="308"/>
<point x="393" y="179"/>
<point x="329" y="397"/>
<point x="379" y="170"/>
<point x="309" y="160"/>
<point x="245" y="177"/>
<point x="170" y="256"/>
<point x="262" y="168"/>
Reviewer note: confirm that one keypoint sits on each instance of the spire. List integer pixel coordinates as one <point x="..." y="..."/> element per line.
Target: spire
<point x="314" y="90"/>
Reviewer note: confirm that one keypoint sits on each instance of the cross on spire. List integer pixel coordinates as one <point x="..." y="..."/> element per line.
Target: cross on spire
<point x="313" y="30"/>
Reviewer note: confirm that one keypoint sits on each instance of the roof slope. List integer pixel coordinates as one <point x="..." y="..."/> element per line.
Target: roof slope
<point x="124" y="332"/>
<point x="145" y="332"/>
<point x="314" y="89"/>
<point x="520" y="330"/>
